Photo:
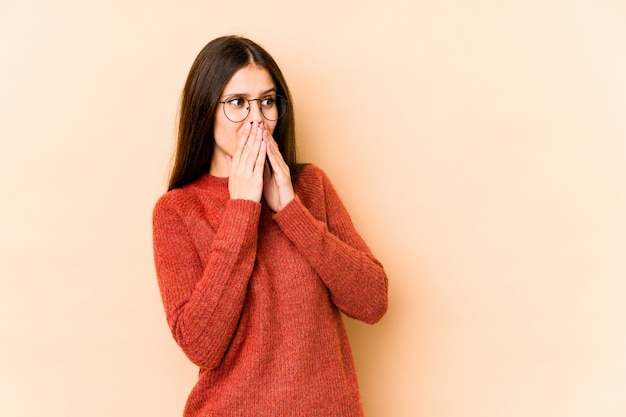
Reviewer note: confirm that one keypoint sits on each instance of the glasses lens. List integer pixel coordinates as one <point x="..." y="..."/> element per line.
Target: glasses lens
<point x="274" y="109"/>
<point x="268" y="108"/>
<point x="236" y="109"/>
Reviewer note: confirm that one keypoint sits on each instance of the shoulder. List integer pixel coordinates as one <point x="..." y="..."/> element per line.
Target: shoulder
<point x="314" y="187"/>
<point x="177" y="201"/>
<point x="312" y="176"/>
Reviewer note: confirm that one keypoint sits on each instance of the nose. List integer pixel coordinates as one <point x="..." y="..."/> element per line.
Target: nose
<point x="255" y="114"/>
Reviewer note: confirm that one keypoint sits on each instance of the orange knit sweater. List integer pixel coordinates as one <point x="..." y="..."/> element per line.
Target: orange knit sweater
<point x="254" y="297"/>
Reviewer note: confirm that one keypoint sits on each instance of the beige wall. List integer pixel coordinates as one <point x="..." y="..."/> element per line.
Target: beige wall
<point x="479" y="145"/>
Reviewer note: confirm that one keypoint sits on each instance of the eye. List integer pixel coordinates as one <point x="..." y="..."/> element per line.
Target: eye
<point x="268" y="102"/>
<point x="237" y="102"/>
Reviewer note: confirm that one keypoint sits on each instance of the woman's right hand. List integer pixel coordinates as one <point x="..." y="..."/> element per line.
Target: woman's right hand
<point x="245" y="168"/>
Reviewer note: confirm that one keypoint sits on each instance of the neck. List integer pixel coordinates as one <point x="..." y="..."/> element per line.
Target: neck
<point x="219" y="167"/>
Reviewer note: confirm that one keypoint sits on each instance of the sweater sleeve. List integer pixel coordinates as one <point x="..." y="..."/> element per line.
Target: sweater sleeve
<point x="203" y="275"/>
<point x="355" y="278"/>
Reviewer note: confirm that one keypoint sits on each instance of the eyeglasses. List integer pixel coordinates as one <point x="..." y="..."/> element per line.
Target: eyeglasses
<point x="237" y="109"/>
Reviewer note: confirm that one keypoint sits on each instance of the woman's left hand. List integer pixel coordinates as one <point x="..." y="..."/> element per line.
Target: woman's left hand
<point x="277" y="187"/>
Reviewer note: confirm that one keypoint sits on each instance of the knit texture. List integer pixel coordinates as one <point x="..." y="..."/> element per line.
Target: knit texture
<point x="254" y="298"/>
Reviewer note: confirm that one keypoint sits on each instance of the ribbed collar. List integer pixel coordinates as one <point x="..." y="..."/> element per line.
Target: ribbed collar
<point x="208" y="181"/>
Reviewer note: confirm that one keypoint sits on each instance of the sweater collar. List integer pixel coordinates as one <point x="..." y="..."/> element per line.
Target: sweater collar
<point x="207" y="181"/>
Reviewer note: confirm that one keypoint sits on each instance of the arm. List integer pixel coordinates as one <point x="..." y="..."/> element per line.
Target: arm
<point x="355" y="279"/>
<point x="203" y="276"/>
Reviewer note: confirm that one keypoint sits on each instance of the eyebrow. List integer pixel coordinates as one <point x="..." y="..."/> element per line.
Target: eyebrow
<point x="271" y="90"/>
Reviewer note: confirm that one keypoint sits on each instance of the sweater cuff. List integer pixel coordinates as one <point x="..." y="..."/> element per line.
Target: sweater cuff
<point x="243" y="216"/>
<point x="298" y="223"/>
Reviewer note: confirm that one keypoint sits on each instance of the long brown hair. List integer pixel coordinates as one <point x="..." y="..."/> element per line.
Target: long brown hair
<point x="212" y="69"/>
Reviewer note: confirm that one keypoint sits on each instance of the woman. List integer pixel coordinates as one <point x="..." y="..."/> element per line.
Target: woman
<point x="255" y="254"/>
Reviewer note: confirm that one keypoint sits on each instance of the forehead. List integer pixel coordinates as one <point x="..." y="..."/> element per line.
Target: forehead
<point x="249" y="80"/>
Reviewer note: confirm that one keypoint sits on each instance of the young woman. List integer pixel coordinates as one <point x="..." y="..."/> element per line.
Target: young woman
<point x="256" y="256"/>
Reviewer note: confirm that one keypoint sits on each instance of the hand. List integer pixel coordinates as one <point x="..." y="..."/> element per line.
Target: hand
<point x="277" y="187"/>
<point x="245" y="168"/>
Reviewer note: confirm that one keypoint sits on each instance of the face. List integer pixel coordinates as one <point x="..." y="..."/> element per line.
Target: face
<point x="251" y="82"/>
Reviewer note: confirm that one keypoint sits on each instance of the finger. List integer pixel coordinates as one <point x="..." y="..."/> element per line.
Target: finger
<point x="277" y="162"/>
<point x="244" y="145"/>
<point x="251" y="135"/>
<point x="252" y="147"/>
<point x="276" y="159"/>
<point x="259" y="164"/>
<point x="273" y="145"/>
<point x="244" y="134"/>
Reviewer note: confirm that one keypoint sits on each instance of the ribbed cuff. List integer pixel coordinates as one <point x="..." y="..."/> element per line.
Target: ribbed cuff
<point x="298" y="223"/>
<point x="241" y="219"/>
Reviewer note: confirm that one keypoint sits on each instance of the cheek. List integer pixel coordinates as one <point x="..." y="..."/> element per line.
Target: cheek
<point x="271" y="126"/>
<point x="226" y="136"/>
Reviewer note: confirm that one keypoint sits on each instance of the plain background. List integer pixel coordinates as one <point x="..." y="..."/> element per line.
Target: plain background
<point x="479" y="146"/>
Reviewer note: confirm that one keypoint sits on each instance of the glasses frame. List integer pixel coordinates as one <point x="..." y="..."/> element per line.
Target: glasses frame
<point x="279" y="102"/>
